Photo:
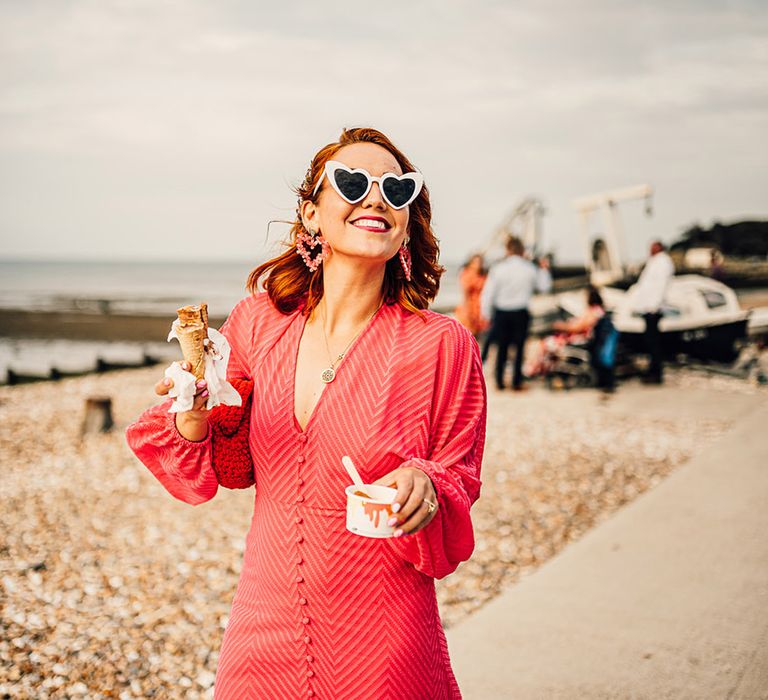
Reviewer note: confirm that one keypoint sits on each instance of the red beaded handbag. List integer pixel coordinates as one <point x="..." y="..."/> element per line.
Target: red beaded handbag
<point x="229" y="426"/>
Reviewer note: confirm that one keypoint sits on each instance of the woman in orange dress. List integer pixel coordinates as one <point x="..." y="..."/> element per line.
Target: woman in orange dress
<point x="471" y="279"/>
<point x="344" y="359"/>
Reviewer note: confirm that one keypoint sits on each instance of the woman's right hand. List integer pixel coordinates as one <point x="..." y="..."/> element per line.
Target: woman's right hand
<point x="193" y="424"/>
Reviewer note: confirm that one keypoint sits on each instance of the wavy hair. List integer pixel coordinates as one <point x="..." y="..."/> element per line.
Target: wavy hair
<point x="289" y="282"/>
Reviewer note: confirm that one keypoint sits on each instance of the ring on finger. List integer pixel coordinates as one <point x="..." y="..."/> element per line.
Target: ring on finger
<point x="431" y="505"/>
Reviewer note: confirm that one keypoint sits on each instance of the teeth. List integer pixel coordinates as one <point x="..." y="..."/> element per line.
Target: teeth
<point x="371" y="223"/>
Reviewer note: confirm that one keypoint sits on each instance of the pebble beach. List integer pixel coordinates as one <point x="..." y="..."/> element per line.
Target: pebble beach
<point x="109" y="588"/>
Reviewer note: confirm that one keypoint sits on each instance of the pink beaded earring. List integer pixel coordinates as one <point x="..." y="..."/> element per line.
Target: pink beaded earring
<point x="306" y="241"/>
<point x="405" y="258"/>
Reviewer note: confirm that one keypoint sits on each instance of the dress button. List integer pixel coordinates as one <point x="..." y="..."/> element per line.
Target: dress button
<point x="300" y="459"/>
<point x="310" y="693"/>
<point x="299" y="520"/>
<point x="304" y="620"/>
<point x="310" y="673"/>
<point x="307" y="640"/>
<point x="299" y="579"/>
<point x="310" y="659"/>
<point x="302" y="601"/>
<point x="299" y="560"/>
<point x="300" y="499"/>
<point x="299" y="539"/>
<point x="302" y="438"/>
<point x="300" y="482"/>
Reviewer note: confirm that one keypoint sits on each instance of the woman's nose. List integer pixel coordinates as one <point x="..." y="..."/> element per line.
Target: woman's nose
<point x="374" y="199"/>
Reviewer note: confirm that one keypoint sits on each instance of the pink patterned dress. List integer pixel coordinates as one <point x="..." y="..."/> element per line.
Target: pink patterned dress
<point x="320" y="612"/>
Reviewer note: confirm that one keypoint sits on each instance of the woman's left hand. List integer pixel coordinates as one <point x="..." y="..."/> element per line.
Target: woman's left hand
<point x="415" y="492"/>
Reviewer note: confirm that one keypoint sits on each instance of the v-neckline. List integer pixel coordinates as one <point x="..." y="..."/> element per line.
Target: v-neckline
<point x="295" y="421"/>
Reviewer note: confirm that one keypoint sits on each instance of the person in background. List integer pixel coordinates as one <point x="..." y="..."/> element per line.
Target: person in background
<point x="595" y="328"/>
<point x="504" y="300"/>
<point x="647" y="300"/>
<point x="716" y="267"/>
<point x="471" y="279"/>
<point x="575" y="331"/>
<point x="580" y="328"/>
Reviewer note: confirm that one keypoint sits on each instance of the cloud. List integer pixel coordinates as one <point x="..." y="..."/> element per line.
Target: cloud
<point x="131" y="127"/>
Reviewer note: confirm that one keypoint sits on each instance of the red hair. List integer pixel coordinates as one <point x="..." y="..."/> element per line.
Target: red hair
<point x="289" y="282"/>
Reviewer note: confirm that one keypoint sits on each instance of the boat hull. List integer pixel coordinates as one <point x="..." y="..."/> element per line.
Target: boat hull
<point x="717" y="342"/>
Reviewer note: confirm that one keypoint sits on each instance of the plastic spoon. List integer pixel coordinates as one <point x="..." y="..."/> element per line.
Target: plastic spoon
<point x="349" y="465"/>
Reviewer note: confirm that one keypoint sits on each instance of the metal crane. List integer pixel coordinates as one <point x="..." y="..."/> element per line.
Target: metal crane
<point x="523" y="221"/>
<point x="605" y="256"/>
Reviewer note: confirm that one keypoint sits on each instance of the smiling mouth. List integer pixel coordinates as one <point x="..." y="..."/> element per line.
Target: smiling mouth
<point x="372" y="224"/>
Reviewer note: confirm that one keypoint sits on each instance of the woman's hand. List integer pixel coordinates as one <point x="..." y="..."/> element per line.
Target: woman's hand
<point x="415" y="492"/>
<point x="193" y="424"/>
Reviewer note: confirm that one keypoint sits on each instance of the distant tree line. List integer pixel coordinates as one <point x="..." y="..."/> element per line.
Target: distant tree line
<point x="740" y="240"/>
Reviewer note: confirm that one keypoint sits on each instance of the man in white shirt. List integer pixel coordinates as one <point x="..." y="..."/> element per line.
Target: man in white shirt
<point x="504" y="300"/>
<point x="648" y="299"/>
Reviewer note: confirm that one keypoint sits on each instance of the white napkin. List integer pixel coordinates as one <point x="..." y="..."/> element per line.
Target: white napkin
<point x="220" y="391"/>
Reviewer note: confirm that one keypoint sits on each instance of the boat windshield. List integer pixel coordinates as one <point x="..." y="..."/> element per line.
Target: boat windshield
<point x="714" y="300"/>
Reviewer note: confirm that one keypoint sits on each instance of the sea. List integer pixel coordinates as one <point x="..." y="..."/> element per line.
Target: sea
<point x="137" y="288"/>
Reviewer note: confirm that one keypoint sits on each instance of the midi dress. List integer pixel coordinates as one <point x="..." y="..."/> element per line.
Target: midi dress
<point x="468" y="312"/>
<point x="320" y="612"/>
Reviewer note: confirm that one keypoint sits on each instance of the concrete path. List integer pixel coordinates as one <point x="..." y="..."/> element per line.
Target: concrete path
<point x="667" y="599"/>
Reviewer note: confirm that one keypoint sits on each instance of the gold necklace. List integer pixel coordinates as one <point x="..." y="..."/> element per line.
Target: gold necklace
<point x="329" y="373"/>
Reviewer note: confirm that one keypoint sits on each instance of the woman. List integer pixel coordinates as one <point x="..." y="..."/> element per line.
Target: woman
<point x="579" y="328"/>
<point x="344" y="360"/>
<point x="471" y="279"/>
<point x="574" y="331"/>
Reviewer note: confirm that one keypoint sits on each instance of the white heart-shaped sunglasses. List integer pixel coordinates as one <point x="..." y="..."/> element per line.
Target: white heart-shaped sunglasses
<point x="353" y="184"/>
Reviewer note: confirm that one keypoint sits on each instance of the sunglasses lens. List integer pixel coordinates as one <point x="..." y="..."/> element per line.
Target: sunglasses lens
<point x="398" y="192"/>
<point x="351" y="186"/>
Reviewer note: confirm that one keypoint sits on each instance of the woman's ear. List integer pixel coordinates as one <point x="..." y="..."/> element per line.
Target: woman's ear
<point x="309" y="216"/>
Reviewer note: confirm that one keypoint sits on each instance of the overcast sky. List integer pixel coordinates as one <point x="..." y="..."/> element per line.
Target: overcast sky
<point x="144" y="129"/>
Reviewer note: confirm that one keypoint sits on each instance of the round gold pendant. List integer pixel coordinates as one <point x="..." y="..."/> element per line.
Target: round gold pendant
<point x="328" y="375"/>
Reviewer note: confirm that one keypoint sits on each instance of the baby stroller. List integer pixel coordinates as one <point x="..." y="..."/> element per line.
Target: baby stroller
<point x="589" y="363"/>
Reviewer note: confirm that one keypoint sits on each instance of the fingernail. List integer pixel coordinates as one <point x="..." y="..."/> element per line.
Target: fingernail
<point x="204" y="394"/>
<point x="391" y="522"/>
<point x="395" y="507"/>
<point x="200" y="384"/>
<point x="167" y="381"/>
<point x="398" y="533"/>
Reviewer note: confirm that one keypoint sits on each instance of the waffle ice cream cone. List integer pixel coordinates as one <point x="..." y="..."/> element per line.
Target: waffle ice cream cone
<point x="192" y="331"/>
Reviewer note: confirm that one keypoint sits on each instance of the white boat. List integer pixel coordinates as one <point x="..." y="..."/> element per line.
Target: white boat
<point x="701" y="318"/>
